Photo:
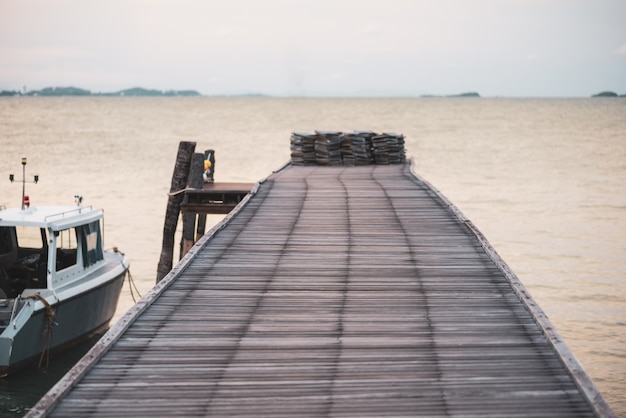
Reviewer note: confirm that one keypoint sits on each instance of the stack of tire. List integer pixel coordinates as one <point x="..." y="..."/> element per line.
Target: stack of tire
<point x="353" y="148"/>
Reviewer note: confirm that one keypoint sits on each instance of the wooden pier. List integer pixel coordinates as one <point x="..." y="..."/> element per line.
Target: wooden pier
<point x="333" y="291"/>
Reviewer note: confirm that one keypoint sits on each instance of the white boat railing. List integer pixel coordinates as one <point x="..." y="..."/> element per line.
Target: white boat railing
<point x="78" y="209"/>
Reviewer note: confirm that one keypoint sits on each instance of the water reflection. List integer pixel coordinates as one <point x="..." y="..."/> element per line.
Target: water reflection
<point x="22" y="390"/>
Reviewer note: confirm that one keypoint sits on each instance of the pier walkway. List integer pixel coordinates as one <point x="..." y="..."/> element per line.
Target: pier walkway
<point x="333" y="291"/>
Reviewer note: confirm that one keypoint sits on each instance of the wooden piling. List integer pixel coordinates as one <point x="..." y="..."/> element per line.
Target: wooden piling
<point x="189" y="219"/>
<point x="179" y="182"/>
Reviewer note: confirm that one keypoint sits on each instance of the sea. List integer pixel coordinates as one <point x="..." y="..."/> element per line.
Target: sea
<point x="543" y="179"/>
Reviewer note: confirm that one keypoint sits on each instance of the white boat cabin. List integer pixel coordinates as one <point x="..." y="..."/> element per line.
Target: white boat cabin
<point x="48" y="247"/>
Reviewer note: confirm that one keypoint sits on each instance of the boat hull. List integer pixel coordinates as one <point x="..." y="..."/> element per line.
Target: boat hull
<point x="75" y="319"/>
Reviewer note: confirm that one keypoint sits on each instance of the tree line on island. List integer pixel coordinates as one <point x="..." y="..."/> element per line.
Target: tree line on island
<point x="75" y="91"/>
<point x="142" y="92"/>
<point x="608" y="94"/>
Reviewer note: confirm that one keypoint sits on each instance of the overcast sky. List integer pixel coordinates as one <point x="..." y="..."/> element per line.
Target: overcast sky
<point x="521" y="48"/>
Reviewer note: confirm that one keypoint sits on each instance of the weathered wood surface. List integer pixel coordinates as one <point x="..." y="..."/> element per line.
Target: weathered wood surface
<point x="189" y="219"/>
<point x="179" y="182"/>
<point x="334" y="291"/>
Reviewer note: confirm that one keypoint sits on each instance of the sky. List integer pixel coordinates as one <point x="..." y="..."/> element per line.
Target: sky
<point x="360" y="48"/>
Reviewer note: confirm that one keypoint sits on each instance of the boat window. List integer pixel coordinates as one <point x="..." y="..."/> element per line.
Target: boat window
<point x="67" y="244"/>
<point x="6" y="240"/>
<point x="27" y="268"/>
<point x="31" y="238"/>
<point x="8" y="256"/>
<point x="92" y="243"/>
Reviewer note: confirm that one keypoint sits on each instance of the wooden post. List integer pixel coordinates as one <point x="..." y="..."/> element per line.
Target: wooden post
<point x="201" y="225"/>
<point x="179" y="182"/>
<point x="189" y="219"/>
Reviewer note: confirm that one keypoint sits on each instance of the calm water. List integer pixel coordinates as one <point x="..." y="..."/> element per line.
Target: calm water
<point x="543" y="179"/>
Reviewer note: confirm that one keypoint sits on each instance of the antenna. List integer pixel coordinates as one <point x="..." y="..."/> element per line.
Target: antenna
<point x="25" y="199"/>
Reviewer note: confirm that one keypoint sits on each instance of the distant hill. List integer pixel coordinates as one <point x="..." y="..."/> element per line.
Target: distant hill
<point x="469" y="94"/>
<point x="62" y="91"/>
<point x="606" y="94"/>
<point x="139" y="91"/>
<point x="75" y="91"/>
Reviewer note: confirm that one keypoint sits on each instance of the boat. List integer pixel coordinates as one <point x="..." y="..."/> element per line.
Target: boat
<point x="58" y="285"/>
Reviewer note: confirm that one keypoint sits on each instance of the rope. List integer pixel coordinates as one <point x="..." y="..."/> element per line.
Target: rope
<point x="131" y="285"/>
<point x="50" y="315"/>
<point x="181" y="191"/>
<point x="131" y="282"/>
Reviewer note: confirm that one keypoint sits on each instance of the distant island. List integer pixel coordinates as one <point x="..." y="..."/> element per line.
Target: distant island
<point x="469" y="94"/>
<point x="75" y="91"/>
<point x="608" y="94"/>
<point x="143" y="92"/>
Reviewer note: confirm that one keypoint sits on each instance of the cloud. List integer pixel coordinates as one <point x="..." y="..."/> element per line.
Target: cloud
<point x="620" y="51"/>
